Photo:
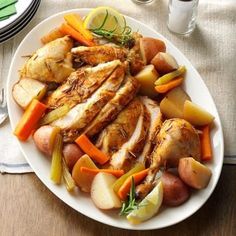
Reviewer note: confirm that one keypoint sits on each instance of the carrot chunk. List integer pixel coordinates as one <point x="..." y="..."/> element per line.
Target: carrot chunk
<point x="206" y="148"/>
<point x="116" y="173"/>
<point x="87" y="146"/>
<point x="125" y="187"/>
<point x="29" y="120"/>
<point x="170" y="85"/>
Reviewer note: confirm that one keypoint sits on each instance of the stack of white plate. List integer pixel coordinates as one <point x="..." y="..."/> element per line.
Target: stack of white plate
<point x="26" y="9"/>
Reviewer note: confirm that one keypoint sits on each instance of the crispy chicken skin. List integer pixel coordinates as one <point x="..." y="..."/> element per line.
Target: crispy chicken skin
<point x="81" y="84"/>
<point x="109" y="112"/>
<point x="82" y="114"/>
<point x="176" y="139"/>
<point x="99" y="54"/>
<point x="120" y="130"/>
<point x="51" y="63"/>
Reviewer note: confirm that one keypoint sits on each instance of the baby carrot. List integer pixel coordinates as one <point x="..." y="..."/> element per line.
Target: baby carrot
<point x="170" y="85"/>
<point x="29" y="119"/>
<point x="206" y="149"/>
<point x="125" y="187"/>
<point x="68" y="30"/>
<point x="116" y="173"/>
<point x="87" y="146"/>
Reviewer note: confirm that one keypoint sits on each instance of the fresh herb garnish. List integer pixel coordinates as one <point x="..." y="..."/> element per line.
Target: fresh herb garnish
<point x="124" y="38"/>
<point x="131" y="203"/>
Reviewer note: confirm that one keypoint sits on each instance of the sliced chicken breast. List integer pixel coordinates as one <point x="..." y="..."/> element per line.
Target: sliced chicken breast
<point x="124" y="95"/>
<point x="51" y="63"/>
<point x="121" y="129"/>
<point x="126" y="156"/>
<point x="155" y="126"/>
<point x="99" y="54"/>
<point x="81" y="84"/>
<point x="82" y="114"/>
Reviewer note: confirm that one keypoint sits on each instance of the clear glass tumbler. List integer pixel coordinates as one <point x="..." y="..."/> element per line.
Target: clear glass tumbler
<point x="182" y="16"/>
<point x="142" y="1"/>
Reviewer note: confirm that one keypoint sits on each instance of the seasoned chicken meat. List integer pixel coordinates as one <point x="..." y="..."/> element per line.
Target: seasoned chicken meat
<point x="127" y="155"/>
<point x="176" y="139"/>
<point x="136" y="62"/>
<point x="99" y="54"/>
<point x="109" y="112"/>
<point x="121" y="129"/>
<point x="82" y="114"/>
<point x="155" y="126"/>
<point x="81" y="84"/>
<point x="51" y="63"/>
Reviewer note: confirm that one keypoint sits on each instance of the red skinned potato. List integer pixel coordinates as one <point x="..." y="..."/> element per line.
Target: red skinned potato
<point x="149" y="47"/>
<point x="174" y="189"/>
<point x="44" y="138"/>
<point x="164" y="62"/>
<point x="72" y="153"/>
<point x="194" y="173"/>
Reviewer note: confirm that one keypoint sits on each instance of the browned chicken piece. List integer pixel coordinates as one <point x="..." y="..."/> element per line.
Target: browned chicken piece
<point x="134" y="57"/>
<point x="51" y="63"/>
<point x="156" y="120"/>
<point x="82" y="114"/>
<point x="127" y="155"/>
<point x="176" y="139"/>
<point x="124" y="95"/>
<point x="99" y="54"/>
<point x="121" y="129"/>
<point x="80" y="85"/>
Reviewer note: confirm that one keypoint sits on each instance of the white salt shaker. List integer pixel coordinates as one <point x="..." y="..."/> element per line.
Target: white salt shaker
<point x="182" y="16"/>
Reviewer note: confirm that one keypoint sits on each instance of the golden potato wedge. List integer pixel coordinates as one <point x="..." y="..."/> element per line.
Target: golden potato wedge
<point x="147" y="76"/>
<point x="83" y="180"/>
<point x="193" y="173"/>
<point x="170" y="109"/>
<point x="196" y="115"/>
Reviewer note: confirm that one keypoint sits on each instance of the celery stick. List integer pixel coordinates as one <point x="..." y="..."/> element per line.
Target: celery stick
<point x="56" y="165"/>
<point x="168" y="77"/>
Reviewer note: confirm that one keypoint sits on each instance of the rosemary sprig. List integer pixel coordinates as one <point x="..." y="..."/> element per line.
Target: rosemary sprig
<point x="131" y="203"/>
<point x="122" y="38"/>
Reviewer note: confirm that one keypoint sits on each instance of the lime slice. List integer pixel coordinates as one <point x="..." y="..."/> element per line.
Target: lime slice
<point x="115" y="21"/>
<point x="148" y="207"/>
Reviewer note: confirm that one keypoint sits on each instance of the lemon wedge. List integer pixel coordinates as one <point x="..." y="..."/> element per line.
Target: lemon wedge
<point x="115" y="21"/>
<point x="148" y="207"/>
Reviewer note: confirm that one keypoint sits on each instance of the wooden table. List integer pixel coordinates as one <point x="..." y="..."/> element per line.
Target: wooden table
<point x="29" y="208"/>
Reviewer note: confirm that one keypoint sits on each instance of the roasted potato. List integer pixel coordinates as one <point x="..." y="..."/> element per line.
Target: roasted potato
<point x="175" y="190"/>
<point x="193" y="173"/>
<point x="44" y="138"/>
<point x="102" y="192"/>
<point x="196" y="115"/>
<point x="149" y="47"/>
<point x="25" y="90"/>
<point x="83" y="180"/>
<point x="147" y="76"/>
<point x="164" y="62"/>
<point x="72" y="153"/>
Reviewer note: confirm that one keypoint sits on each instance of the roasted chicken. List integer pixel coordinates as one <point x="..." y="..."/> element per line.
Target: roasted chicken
<point x="81" y="84"/>
<point x="121" y="129"/>
<point x="155" y="125"/>
<point x="99" y="54"/>
<point x="127" y="154"/>
<point x="83" y="113"/>
<point x="51" y="63"/>
<point x="177" y="139"/>
<point x="109" y="112"/>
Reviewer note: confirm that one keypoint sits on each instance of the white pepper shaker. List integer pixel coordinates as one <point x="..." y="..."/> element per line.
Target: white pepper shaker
<point x="182" y="16"/>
